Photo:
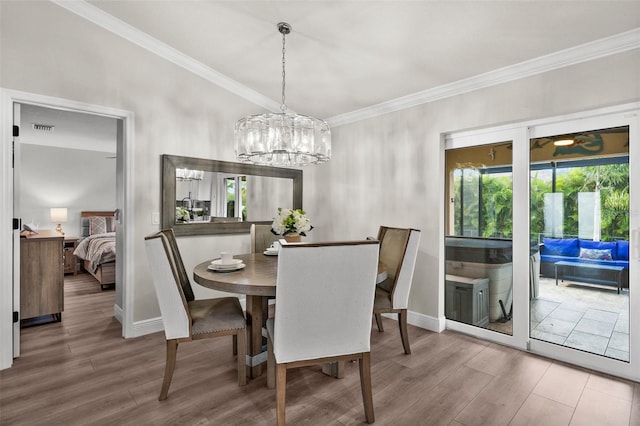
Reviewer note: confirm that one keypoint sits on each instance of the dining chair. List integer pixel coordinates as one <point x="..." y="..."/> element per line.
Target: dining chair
<point x="398" y="251"/>
<point x="186" y="318"/>
<point x="261" y="237"/>
<point x="324" y="298"/>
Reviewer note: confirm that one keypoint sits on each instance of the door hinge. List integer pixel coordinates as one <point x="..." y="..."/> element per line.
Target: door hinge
<point x="16" y="131"/>
<point x="17" y="223"/>
<point x="16" y="316"/>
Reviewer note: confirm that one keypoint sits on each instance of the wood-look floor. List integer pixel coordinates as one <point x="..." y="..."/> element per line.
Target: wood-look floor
<point x="81" y="372"/>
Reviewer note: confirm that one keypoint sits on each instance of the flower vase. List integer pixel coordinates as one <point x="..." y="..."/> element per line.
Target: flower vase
<point x="293" y="237"/>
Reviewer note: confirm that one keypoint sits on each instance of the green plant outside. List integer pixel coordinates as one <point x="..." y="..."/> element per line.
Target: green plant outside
<point x="497" y="207"/>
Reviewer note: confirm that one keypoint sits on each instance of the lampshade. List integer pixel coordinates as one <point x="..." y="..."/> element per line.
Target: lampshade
<point x="58" y="215"/>
<point x="285" y="138"/>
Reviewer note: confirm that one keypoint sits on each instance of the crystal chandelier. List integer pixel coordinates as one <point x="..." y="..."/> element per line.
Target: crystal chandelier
<point x="285" y="138"/>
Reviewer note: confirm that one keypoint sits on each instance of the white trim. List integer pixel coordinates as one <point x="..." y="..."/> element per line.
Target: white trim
<point x="6" y="231"/>
<point x="7" y="98"/>
<point x="575" y="55"/>
<point x="118" y="313"/>
<point x="630" y="108"/>
<point x="144" y="40"/>
<point x="607" y="46"/>
<point x="152" y="325"/>
<point x="421" y="320"/>
<point x="144" y="327"/>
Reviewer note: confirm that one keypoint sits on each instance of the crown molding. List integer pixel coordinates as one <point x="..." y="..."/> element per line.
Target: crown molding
<point x="619" y="43"/>
<point x="612" y="45"/>
<point x="144" y="40"/>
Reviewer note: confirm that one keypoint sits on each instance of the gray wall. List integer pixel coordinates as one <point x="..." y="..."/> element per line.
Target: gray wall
<point x="57" y="177"/>
<point x="393" y="181"/>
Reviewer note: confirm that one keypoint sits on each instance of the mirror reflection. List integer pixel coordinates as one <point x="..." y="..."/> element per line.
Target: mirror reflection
<point x="222" y="197"/>
<point x="208" y="196"/>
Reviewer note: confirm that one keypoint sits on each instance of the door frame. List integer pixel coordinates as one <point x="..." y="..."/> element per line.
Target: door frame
<point x="124" y="202"/>
<point x="520" y="133"/>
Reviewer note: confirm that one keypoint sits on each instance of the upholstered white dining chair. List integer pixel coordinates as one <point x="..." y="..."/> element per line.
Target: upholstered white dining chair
<point x="184" y="317"/>
<point x="398" y="251"/>
<point x="324" y="299"/>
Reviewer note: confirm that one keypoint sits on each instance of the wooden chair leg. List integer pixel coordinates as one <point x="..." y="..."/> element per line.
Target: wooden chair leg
<point x="271" y="365"/>
<point x="235" y="344"/>
<point x="379" y="322"/>
<point x="402" y="323"/>
<point x="241" y="349"/>
<point x="172" y="349"/>
<point x="365" y="386"/>
<point x="281" y="392"/>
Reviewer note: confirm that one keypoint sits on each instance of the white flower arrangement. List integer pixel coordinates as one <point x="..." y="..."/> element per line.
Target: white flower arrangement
<point x="182" y="215"/>
<point x="290" y="221"/>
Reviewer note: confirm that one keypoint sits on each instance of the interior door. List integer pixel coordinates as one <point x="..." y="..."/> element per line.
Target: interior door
<point x="16" y="232"/>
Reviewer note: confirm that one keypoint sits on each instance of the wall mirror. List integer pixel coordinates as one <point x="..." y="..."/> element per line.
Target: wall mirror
<point x="201" y="196"/>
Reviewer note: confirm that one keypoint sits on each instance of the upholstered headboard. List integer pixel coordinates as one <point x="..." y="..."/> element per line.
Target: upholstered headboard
<point x="85" y="221"/>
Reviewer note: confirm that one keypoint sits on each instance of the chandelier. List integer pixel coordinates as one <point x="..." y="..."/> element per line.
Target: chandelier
<point x="285" y="138"/>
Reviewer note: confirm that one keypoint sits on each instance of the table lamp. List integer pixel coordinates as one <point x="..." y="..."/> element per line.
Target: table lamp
<point x="59" y="215"/>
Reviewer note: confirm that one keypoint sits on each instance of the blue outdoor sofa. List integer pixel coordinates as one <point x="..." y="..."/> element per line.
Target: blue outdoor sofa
<point x="612" y="253"/>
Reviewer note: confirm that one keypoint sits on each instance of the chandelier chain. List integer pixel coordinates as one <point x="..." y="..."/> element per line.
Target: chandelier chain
<point x="285" y="139"/>
<point x="283" y="107"/>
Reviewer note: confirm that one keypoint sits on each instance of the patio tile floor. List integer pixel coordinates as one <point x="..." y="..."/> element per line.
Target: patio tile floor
<point x="589" y="318"/>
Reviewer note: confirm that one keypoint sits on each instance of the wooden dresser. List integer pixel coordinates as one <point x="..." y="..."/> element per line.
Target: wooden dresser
<point x="41" y="275"/>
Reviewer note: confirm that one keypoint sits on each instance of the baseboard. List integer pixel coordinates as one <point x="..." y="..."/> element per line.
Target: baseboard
<point x="142" y="328"/>
<point x="423" y="321"/>
<point x="153" y="325"/>
<point x="118" y="313"/>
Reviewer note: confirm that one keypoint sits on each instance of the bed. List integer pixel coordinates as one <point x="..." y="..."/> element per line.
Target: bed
<point x="97" y="248"/>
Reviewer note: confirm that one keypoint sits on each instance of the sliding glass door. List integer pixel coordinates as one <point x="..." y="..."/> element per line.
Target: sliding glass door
<point x="541" y="238"/>
<point x="482" y="214"/>
<point x="584" y="204"/>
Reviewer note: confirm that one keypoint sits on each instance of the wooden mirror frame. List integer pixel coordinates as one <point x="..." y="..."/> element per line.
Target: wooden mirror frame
<point x="168" y="214"/>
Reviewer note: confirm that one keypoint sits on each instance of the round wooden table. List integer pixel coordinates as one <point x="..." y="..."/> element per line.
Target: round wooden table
<point x="257" y="280"/>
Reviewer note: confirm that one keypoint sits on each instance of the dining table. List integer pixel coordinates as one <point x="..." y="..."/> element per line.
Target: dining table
<point x="257" y="281"/>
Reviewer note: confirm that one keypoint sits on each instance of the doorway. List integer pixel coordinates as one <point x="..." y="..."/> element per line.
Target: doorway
<point x="124" y="205"/>
<point x="65" y="165"/>
<point x="518" y="205"/>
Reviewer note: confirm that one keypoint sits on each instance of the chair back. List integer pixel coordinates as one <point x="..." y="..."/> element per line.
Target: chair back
<point x="166" y="279"/>
<point x="261" y="237"/>
<point x="393" y="244"/>
<point x="183" y="277"/>
<point x="324" y="299"/>
<point x="404" y="277"/>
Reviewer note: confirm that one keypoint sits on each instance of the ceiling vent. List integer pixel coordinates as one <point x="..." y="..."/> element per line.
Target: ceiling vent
<point x="43" y="127"/>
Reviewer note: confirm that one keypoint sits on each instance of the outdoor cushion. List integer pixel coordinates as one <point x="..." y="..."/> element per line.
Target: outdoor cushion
<point x="561" y="247"/>
<point x="623" y="250"/>
<point x="600" y="245"/>
<point x="586" y="253"/>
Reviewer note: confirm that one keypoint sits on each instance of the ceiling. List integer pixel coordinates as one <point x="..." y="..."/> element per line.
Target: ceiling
<point x="345" y="56"/>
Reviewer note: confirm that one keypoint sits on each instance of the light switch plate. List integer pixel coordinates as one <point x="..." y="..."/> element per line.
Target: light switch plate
<point x="155" y="218"/>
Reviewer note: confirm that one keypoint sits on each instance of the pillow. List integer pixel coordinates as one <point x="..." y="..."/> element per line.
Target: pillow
<point x="97" y="225"/>
<point x="623" y="250"/>
<point x="111" y="223"/>
<point x="600" y="245"/>
<point x="561" y="247"/>
<point x="595" y="254"/>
